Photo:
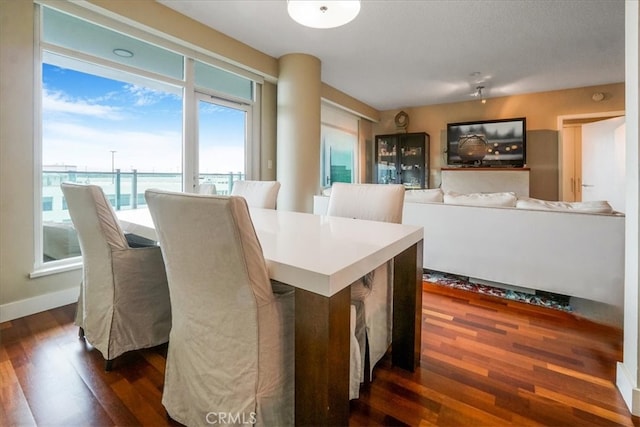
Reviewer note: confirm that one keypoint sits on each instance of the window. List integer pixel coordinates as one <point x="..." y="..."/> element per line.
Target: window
<point x="339" y="136"/>
<point x="47" y="203"/>
<point x="221" y="142"/>
<point x="114" y="114"/>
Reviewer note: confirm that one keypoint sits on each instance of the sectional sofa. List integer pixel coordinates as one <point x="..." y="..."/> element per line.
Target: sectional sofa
<point x="573" y="249"/>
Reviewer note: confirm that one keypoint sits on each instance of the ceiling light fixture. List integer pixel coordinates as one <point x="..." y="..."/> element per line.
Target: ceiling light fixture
<point x="324" y="13"/>
<point x="478" y="94"/>
<point x="124" y="53"/>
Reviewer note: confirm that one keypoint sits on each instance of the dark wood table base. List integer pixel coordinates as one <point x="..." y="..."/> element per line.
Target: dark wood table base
<point x="322" y="342"/>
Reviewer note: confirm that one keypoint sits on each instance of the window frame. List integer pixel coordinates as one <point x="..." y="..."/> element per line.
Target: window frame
<point x="189" y="129"/>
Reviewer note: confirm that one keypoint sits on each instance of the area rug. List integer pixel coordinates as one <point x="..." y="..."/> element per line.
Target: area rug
<point x="549" y="300"/>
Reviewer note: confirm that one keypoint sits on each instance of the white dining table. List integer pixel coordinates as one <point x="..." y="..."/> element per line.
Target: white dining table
<point x="321" y="256"/>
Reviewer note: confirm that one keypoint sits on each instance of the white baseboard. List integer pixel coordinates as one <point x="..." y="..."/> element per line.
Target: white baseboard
<point x="26" y="307"/>
<point x="629" y="392"/>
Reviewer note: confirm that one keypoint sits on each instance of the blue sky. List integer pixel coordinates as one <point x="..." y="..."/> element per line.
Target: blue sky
<point x="85" y="117"/>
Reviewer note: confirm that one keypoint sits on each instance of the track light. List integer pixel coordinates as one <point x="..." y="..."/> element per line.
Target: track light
<point x="478" y="94"/>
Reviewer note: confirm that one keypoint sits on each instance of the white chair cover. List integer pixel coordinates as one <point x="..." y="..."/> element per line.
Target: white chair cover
<point x="208" y="188"/>
<point x="231" y="344"/>
<point x="124" y="298"/>
<point x="372" y="296"/>
<point x="258" y="194"/>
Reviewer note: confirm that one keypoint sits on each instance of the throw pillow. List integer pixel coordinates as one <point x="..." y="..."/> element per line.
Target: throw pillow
<point x="430" y="195"/>
<point x="505" y="199"/>
<point x="599" y="206"/>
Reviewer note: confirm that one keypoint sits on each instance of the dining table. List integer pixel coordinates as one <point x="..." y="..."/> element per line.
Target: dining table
<point x="320" y="256"/>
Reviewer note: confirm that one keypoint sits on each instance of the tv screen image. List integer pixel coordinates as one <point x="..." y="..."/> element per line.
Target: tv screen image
<point x="492" y="143"/>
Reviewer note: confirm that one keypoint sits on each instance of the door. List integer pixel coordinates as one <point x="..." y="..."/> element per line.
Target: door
<point x="603" y="162"/>
<point x="571" y="187"/>
<point x="222" y="142"/>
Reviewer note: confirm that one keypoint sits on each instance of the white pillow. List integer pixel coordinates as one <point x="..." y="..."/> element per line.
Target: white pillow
<point x="505" y="199"/>
<point x="429" y="195"/>
<point x="599" y="206"/>
<point x="326" y="191"/>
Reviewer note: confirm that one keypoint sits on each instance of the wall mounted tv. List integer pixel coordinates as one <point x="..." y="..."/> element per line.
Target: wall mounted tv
<point x="491" y="143"/>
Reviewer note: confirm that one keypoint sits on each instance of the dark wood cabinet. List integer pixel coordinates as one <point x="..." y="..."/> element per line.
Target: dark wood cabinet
<point x="403" y="158"/>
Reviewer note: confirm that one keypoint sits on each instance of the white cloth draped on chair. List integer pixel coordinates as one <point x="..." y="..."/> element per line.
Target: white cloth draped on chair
<point x="208" y="188"/>
<point x="231" y="344"/>
<point x="372" y="295"/>
<point x="124" y="298"/>
<point x="258" y="194"/>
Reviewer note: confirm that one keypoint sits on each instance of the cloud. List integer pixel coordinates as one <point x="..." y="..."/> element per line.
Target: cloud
<point x="145" y="96"/>
<point x="59" y="102"/>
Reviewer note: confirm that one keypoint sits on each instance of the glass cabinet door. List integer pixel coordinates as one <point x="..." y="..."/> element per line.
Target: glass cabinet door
<point x="402" y="159"/>
<point x="412" y="161"/>
<point x="386" y="159"/>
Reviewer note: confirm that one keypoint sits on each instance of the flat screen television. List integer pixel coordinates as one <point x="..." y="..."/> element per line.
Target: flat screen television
<point x="491" y="143"/>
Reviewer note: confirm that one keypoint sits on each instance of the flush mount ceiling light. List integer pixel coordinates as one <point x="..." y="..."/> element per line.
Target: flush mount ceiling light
<point x="124" y="53"/>
<point x="323" y="14"/>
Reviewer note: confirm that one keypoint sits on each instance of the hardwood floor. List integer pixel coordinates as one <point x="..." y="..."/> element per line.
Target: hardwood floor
<point x="485" y="362"/>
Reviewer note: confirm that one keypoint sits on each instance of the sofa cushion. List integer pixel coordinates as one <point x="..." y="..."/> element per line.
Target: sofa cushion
<point x="505" y="199"/>
<point x="430" y="195"/>
<point x="599" y="206"/>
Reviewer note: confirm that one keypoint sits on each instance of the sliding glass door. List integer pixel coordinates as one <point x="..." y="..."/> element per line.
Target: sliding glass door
<point x="222" y="142"/>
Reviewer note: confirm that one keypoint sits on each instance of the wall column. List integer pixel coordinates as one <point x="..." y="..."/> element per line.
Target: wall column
<point x="628" y="374"/>
<point x="298" y="146"/>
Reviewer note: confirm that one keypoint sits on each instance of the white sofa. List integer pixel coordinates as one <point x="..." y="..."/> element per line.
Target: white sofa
<point x="547" y="246"/>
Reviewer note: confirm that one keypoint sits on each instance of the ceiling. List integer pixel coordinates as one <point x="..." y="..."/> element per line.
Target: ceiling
<point x="401" y="53"/>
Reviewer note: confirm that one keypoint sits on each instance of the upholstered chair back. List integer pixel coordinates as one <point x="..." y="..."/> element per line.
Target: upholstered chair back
<point x="227" y="343"/>
<point x="374" y="202"/>
<point x="207" y="188"/>
<point x="258" y="194"/>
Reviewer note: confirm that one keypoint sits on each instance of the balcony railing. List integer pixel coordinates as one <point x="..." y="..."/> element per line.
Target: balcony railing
<point x="125" y="190"/>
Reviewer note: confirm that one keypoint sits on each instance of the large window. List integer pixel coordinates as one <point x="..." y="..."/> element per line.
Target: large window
<point x="117" y="112"/>
<point x="103" y="131"/>
<point x="339" y="137"/>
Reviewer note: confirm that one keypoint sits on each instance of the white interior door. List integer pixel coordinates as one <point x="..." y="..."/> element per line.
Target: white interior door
<point x="603" y="162"/>
<point x="571" y="189"/>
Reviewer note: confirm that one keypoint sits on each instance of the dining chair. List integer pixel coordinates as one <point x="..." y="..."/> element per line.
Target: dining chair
<point x="371" y="295"/>
<point x="231" y="344"/>
<point x="207" y="188"/>
<point x="124" y="297"/>
<point x="259" y="194"/>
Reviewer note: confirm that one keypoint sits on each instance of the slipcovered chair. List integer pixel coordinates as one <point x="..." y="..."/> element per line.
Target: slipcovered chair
<point x="124" y="297"/>
<point x="231" y="344"/>
<point x="371" y="295"/>
<point x="259" y="194"/>
<point x="207" y="188"/>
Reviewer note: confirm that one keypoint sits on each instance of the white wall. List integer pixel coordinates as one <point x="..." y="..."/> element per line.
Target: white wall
<point x="20" y="295"/>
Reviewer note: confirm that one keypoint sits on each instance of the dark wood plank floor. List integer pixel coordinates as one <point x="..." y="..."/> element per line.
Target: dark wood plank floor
<point x="485" y="362"/>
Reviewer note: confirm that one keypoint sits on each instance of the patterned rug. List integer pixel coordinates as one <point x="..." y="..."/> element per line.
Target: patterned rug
<point x="543" y="299"/>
